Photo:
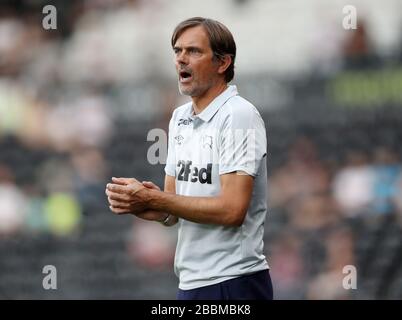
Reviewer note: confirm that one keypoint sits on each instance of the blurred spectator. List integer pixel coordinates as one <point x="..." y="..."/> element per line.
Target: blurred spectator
<point x="358" y="50"/>
<point x="313" y="212"/>
<point x="353" y="184"/>
<point x="99" y="52"/>
<point x="13" y="106"/>
<point x="62" y="211"/>
<point x="387" y="171"/>
<point x="303" y="174"/>
<point x="63" y="214"/>
<point x="56" y="175"/>
<point x="150" y="245"/>
<point x="339" y="253"/>
<point x="13" y="204"/>
<point x="397" y="199"/>
<point x="11" y="42"/>
<point x="90" y="175"/>
<point x="33" y="134"/>
<point x="286" y="265"/>
<point x="92" y="121"/>
<point x="81" y="122"/>
<point x="35" y="220"/>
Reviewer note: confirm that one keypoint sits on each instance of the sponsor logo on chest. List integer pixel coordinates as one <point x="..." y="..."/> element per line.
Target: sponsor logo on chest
<point x="190" y="173"/>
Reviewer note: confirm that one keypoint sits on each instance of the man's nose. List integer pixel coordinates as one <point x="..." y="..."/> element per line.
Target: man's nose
<point x="181" y="58"/>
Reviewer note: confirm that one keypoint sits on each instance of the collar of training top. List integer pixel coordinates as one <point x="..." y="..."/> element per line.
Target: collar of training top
<point x="214" y="106"/>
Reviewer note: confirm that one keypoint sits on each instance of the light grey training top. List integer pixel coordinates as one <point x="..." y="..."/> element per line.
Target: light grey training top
<point x="227" y="136"/>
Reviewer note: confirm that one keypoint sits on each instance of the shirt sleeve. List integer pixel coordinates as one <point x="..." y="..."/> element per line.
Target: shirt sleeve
<point x="170" y="167"/>
<point x="242" y="141"/>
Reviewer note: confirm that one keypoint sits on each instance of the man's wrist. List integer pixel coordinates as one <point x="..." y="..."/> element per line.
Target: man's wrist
<point x="150" y="197"/>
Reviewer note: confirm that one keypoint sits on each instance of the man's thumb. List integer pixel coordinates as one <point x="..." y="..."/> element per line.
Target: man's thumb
<point x="150" y="185"/>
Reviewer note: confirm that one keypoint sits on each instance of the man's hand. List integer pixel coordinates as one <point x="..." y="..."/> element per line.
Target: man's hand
<point x="120" y="204"/>
<point x="152" y="215"/>
<point x="126" y="195"/>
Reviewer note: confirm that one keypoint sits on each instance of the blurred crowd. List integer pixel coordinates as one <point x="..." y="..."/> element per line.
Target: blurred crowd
<point x="315" y="208"/>
<point x="73" y="100"/>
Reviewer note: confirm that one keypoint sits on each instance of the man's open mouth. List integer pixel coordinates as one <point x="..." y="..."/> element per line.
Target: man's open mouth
<point x="185" y="76"/>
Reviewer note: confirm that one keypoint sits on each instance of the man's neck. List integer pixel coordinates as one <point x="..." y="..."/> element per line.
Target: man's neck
<point x="201" y="102"/>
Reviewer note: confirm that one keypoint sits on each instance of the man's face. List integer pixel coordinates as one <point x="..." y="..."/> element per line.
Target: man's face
<point x="195" y="66"/>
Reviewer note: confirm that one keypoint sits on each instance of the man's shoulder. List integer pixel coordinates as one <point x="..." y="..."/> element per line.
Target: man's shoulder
<point x="181" y="114"/>
<point x="239" y="106"/>
<point x="183" y="110"/>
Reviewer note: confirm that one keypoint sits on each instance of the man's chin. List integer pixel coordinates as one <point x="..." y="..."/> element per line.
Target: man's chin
<point x="186" y="91"/>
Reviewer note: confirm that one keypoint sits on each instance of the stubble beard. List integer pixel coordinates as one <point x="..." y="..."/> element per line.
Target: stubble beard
<point x="195" y="90"/>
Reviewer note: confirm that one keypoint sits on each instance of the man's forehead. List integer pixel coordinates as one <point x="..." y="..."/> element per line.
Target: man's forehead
<point x="193" y="36"/>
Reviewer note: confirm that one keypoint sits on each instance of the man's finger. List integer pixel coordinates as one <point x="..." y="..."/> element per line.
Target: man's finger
<point x="124" y="181"/>
<point x="120" y="182"/>
<point x="118" y="210"/>
<point x="118" y="204"/>
<point x="117" y="188"/>
<point x="117" y="196"/>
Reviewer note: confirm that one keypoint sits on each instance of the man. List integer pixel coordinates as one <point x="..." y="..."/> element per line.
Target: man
<point x="216" y="180"/>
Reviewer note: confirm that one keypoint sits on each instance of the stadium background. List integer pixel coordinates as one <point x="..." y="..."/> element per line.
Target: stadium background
<point x="76" y="105"/>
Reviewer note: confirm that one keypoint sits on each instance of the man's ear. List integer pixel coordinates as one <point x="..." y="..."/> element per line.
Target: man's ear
<point x="224" y="63"/>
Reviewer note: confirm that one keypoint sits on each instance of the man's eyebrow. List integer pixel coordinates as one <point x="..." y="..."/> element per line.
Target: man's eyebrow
<point x="193" y="47"/>
<point x="187" y="48"/>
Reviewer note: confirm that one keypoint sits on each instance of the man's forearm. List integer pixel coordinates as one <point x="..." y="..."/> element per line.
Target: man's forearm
<point x="206" y="210"/>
